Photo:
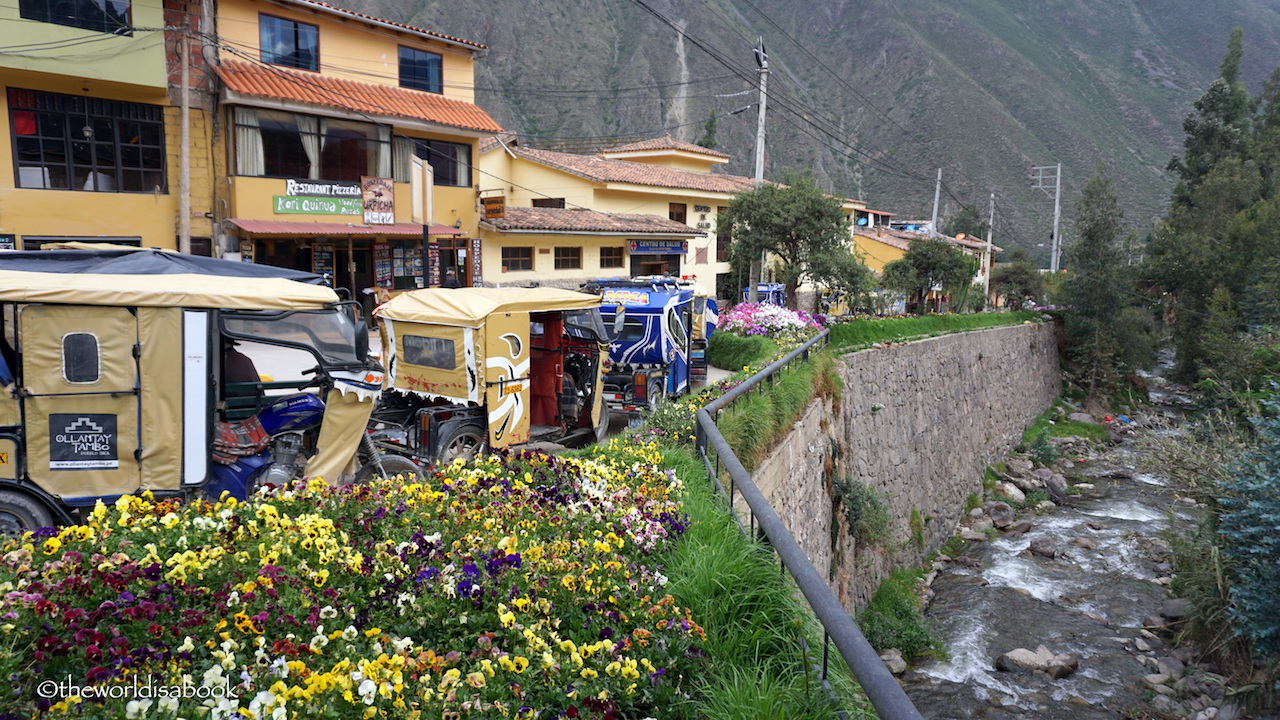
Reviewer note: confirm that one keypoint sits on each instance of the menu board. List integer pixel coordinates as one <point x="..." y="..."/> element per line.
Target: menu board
<point x="406" y="267"/>
<point x="246" y="251"/>
<point x="433" y="264"/>
<point x="322" y="258"/>
<point x="381" y="264"/>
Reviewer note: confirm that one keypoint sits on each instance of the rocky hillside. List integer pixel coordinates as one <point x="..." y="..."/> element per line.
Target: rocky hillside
<point x="873" y="97"/>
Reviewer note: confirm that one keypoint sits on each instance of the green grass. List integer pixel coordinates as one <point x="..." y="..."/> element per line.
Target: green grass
<point x="730" y="352"/>
<point x="755" y="423"/>
<point x="865" y="332"/>
<point x="1062" y="428"/>
<point x="750" y="612"/>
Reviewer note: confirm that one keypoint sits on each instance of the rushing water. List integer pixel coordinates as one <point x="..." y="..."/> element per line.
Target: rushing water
<point x="1090" y="600"/>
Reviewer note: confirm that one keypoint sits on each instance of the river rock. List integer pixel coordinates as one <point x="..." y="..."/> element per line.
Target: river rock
<point x="1019" y="527"/>
<point x="1142" y="645"/>
<point x="973" y="536"/>
<point x="1171" y="666"/>
<point x="1000" y="513"/>
<point x="1045" y="505"/>
<point x="1054" y="484"/>
<point x="1011" y="492"/>
<point x="1209" y="713"/>
<point x="1169" y="706"/>
<point x="1082" y="417"/>
<point x="1042" y="660"/>
<point x="1175" y="609"/>
<point x="1155" y="679"/>
<point x="893" y="660"/>
<point x="1044" y="547"/>
<point x="1084" y="543"/>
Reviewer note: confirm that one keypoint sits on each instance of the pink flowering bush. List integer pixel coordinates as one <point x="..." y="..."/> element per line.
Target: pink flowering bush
<point x="787" y="327"/>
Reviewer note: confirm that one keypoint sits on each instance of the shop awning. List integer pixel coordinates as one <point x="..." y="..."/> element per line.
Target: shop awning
<point x="315" y="229"/>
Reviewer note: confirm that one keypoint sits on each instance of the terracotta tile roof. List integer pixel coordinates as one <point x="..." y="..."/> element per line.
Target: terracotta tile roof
<point x="586" y="221"/>
<point x="381" y="100"/>
<point x="312" y="229"/>
<point x="313" y="4"/>
<point x="901" y="239"/>
<point x="666" y="143"/>
<point x="598" y="169"/>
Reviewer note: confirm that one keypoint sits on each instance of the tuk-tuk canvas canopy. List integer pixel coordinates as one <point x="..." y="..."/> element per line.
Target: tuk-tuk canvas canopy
<point x="134" y="261"/>
<point x="147" y="290"/>
<point x="470" y="306"/>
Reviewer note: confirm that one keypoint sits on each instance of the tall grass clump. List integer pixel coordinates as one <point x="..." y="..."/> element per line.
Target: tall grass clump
<point x="729" y="351"/>
<point x="755" y="423"/>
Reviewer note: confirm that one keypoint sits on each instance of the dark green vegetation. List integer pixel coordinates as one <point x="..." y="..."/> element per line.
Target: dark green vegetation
<point x="928" y="263"/>
<point x="981" y="88"/>
<point x="804" y="230"/>
<point x="893" y="618"/>
<point x="866" y="519"/>
<point x="731" y="352"/>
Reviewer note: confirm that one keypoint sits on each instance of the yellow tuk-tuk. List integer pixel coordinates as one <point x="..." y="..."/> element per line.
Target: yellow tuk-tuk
<point x="471" y="367"/>
<point x="119" y="381"/>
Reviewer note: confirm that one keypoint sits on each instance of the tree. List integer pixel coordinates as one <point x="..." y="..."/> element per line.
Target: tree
<point x="929" y="263"/>
<point x="708" y="139"/>
<point x="1017" y="282"/>
<point x="804" y="228"/>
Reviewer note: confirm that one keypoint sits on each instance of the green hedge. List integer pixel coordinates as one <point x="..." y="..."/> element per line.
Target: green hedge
<point x="865" y="332"/>
<point x="731" y="352"/>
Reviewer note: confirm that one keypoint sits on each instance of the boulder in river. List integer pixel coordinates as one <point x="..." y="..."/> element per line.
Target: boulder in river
<point x="893" y="660"/>
<point x="1008" y="490"/>
<point x="1019" y="527"/>
<point x="1056" y="665"/>
<point x="1044" y="547"/>
<point x="1000" y="513"/>
<point x="1054" y="484"/>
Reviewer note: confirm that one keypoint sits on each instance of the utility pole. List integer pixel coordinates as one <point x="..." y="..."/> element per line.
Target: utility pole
<point x="184" y="139"/>
<point x="937" y="192"/>
<point x="1040" y="179"/>
<point x="762" y="60"/>
<point x="990" y="261"/>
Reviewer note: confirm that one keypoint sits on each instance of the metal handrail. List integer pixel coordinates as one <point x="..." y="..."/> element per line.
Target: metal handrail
<point x="881" y="688"/>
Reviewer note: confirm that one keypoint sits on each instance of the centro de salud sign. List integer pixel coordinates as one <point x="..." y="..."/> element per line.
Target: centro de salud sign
<point x="660" y="247"/>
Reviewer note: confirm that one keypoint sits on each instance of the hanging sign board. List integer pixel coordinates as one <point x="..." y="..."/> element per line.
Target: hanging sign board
<point x="495" y="208"/>
<point x="378" y="197"/>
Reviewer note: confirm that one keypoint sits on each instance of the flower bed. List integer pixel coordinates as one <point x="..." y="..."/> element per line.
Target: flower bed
<point x="787" y="327"/>
<point x="515" y="586"/>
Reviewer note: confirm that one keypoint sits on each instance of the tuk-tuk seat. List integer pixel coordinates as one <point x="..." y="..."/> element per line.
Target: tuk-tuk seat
<point x="244" y="400"/>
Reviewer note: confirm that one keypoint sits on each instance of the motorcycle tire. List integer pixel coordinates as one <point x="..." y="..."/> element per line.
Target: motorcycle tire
<point x="394" y="466"/>
<point x="466" y="442"/>
<point x="19" y="513"/>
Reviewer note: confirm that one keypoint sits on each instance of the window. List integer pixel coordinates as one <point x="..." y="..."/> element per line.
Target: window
<point x="548" y="202"/>
<point x="272" y="143"/>
<point x="517" y="258"/>
<point x="611" y="257"/>
<point x="430" y="352"/>
<point x="289" y="43"/>
<point x="568" y="258"/>
<point x="677" y="211"/>
<point x="724" y="237"/>
<point x="450" y="162"/>
<point x="108" y="16"/>
<point x="80" y="358"/>
<point x="421" y="70"/>
<point x="675" y="327"/>
<point x="67" y="142"/>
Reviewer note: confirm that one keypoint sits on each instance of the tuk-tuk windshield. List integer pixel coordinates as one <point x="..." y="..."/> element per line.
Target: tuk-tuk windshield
<point x="333" y="335"/>
<point x="585" y="324"/>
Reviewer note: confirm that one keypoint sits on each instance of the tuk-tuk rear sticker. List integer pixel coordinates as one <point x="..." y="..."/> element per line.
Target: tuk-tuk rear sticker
<point x="83" y="441"/>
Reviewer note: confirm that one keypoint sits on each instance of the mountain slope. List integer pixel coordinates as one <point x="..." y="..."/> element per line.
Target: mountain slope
<point x="871" y="98"/>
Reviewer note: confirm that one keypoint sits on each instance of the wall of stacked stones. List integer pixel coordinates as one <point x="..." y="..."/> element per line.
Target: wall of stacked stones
<point x="918" y="423"/>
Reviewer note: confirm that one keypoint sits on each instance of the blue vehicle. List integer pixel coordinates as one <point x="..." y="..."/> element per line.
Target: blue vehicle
<point x="658" y="333"/>
<point x="767" y="293"/>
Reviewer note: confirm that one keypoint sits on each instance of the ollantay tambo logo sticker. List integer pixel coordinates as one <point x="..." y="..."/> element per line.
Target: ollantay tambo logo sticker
<point x="83" y="441"/>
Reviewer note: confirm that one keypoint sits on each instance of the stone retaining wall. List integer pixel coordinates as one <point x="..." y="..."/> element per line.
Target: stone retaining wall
<point x="917" y="422"/>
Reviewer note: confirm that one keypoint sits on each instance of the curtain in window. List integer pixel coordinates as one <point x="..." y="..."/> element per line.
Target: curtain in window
<point x="381" y="160"/>
<point x="403" y="149"/>
<point x="249" y="156"/>
<point x="309" y="131"/>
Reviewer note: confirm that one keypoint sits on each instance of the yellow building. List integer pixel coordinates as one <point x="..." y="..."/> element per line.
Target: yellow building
<point x="646" y="208"/>
<point x="92" y="154"/>
<point x="349" y="142"/>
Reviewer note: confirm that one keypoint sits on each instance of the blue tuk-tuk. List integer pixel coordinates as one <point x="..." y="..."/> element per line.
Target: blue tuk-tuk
<point x="767" y="293"/>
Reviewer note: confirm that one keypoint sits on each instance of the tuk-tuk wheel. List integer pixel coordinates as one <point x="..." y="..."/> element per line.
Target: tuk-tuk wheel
<point x="18" y="513"/>
<point x="466" y="442"/>
<point x="392" y="465"/>
<point x="656" y="392"/>
<point x="602" y="427"/>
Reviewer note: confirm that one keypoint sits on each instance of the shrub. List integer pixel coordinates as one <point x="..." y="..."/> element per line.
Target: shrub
<point x="865" y="516"/>
<point x="731" y="352"/>
<point x="893" y="618"/>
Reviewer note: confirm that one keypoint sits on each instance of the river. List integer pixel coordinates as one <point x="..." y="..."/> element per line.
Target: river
<point x="1094" y="600"/>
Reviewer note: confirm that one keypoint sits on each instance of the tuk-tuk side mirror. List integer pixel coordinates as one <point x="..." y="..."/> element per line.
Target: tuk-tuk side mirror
<point x="618" y="320"/>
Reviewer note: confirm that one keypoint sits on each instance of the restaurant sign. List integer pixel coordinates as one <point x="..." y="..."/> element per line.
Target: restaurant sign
<point x="287" y="205"/>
